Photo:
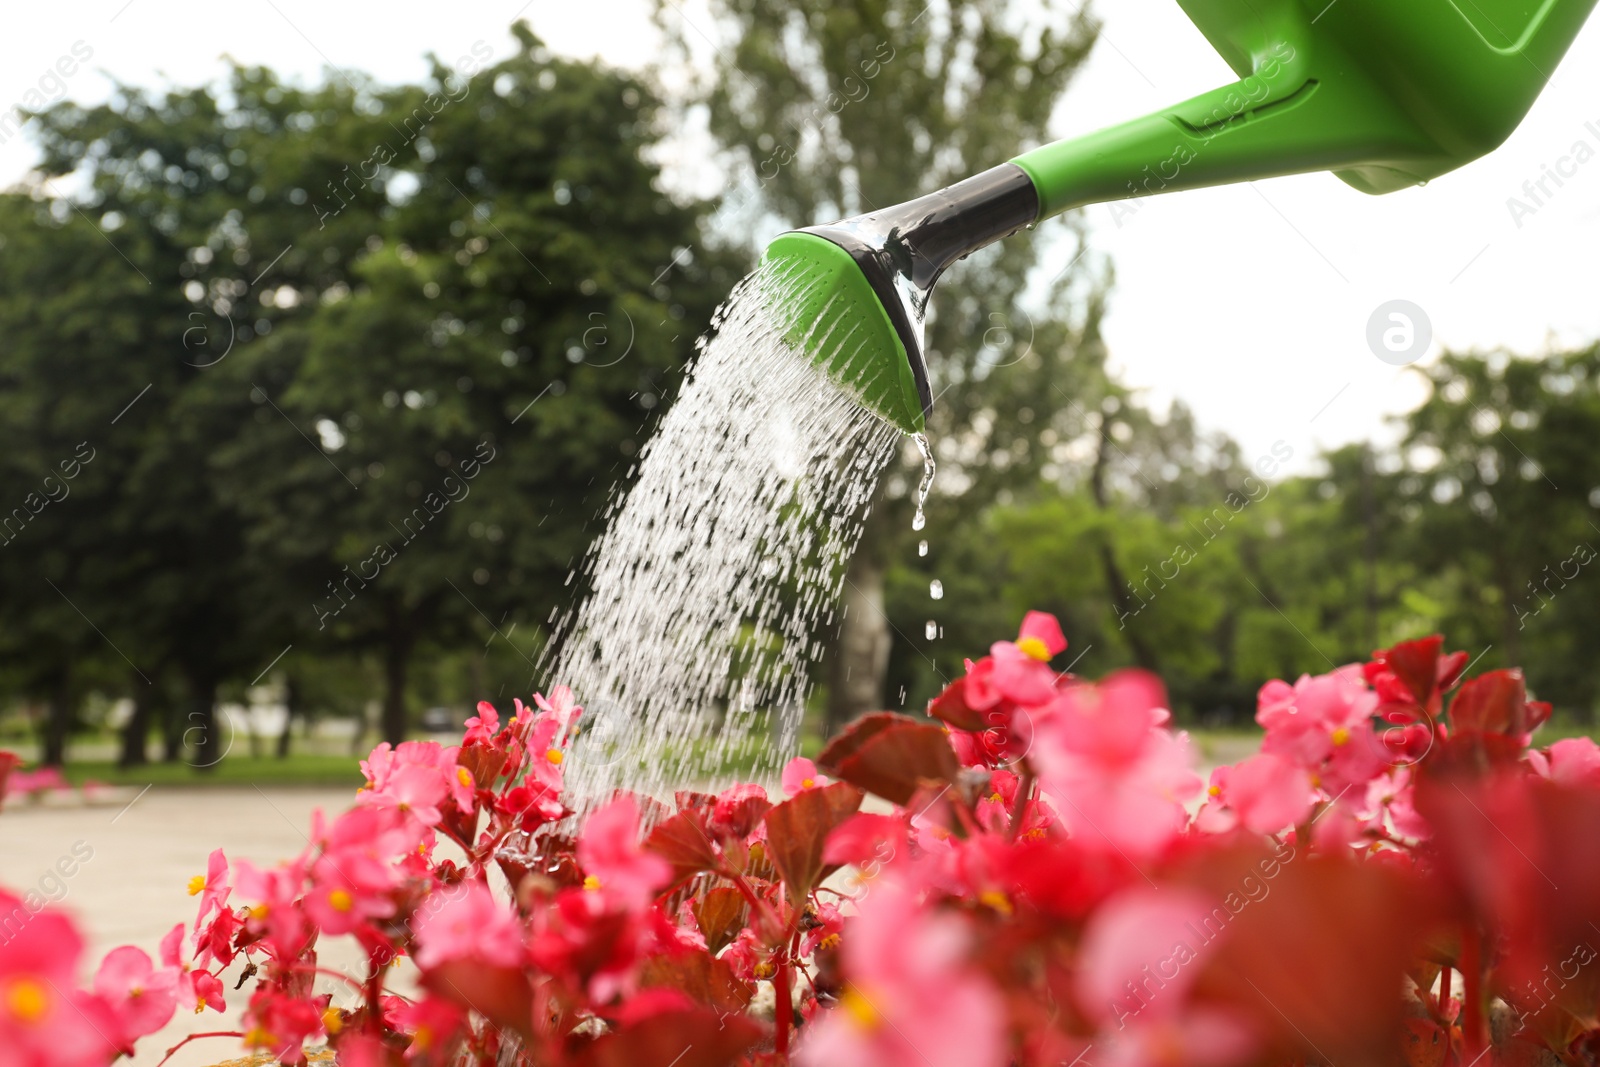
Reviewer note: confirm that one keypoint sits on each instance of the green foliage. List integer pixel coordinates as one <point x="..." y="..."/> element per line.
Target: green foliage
<point x="400" y="342"/>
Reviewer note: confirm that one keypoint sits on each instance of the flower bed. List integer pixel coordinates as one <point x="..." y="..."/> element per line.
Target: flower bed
<point x="1045" y="879"/>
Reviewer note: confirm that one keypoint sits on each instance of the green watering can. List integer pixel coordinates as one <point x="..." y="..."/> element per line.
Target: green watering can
<point x="1384" y="93"/>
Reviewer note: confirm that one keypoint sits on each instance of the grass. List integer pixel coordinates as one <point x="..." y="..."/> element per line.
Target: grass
<point x="308" y="769"/>
<point x="235" y="770"/>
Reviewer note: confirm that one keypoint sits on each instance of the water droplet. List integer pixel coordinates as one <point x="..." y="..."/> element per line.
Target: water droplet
<point x="931" y="630"/>
<point x="936" y="589"/>
<point x="919" y="520"/>
<point x="922" y="548"/>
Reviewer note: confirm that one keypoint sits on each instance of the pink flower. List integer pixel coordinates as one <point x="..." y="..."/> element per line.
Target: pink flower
<point x="910" y="997"/>
<point x="203" y="989"/>
<point x="609" y="851"/>
<point x="276" y="914"/>
<point x="212" y="887"/>
<point x="434" y="1025"/>
<point x="340" y="903"/>
<point x="1571" y="761"/>
<point x="1113" y="771"/>
<point x="1040" y="636"/>
<point x="280" y="1024"/>
<point x="800" y="774"/>
<point x="1268" y="793"/>
<point x="1139" y="953"/>
<point x="1019" y="671"/>
<point x="412" y="779"/>
<point x="562" y="708"/>
<point x="469" y="924"/>
<point x="1140" y="956"/>
<point x="141" y="997"/>
<point x="366" y="841"/>
<point x="44" y="1020"/>
<point x="545" y="756"/>
<point x="482" y="727"/>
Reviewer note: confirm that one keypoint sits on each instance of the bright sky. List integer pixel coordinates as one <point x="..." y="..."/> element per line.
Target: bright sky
<point x="1250" y="303"/>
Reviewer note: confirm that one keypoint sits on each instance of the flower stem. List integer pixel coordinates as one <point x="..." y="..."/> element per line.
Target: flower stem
<point x="195" y="1037"/>
<point x="1019" y="803"/>
<point x="785" y="1000"/>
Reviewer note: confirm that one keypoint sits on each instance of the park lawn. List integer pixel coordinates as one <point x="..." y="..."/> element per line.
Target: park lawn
<point x="235" y="770"/>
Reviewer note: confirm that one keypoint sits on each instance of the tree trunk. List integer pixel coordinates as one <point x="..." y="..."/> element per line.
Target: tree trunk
<point x="860" y="657"/>
<point x="136" y="731"/>
<point x="291" y="704"/>
<point x="200" y="720"/>
<point x="1116" y="585"/>
<point x="58" y="721"/>
<point x="171" y="732"/>
<point x="397" y="653"/>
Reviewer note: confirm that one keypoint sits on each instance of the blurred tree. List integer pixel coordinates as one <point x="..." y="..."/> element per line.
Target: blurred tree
<point x="1502" y="490"/>
<point x="423" y="319"/>
<point x="71" y="312"/>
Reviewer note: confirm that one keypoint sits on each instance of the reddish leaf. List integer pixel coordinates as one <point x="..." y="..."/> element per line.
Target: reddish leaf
<point x="799" y="827"/>
<point x="683" y="842"/>
<point x="737" y="818"/>
<point x="951" y="706"/>
<point x="1415" y="664"/>
<point x="1493" y="703"/>
<point x="721" y="914"/>
<point x="500" y="994"/>
<point x="1325" y="988"/>
<point x="706" y="980"/>
<point x="897" y="759"/>
<point x="857" y="734"/>
<point x="699" y="1038"/>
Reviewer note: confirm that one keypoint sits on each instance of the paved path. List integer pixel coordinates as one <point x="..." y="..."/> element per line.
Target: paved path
<point x="131" y="888"/>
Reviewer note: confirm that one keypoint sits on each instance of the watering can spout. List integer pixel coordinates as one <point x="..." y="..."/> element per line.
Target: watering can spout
<point x="1384" y="94"/>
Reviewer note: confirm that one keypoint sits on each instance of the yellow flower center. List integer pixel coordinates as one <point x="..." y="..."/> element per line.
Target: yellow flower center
<point x="765" y="969"/>
<point x="340" y="900"/>
<point x="1341" y="735"/>
<point x="259" y="1038"/>
<point x="196" y="884"/>
<point x="555" y="755"/>
<point x="259" y="912"/>
<point x="199" y="1005"/>
<point x="591" y="882"/>
<point x="1034" y="648"/>
<point x="830" y="942"/>
<point x="422" y="1039"/>
<point x="808" y="783"/>
<point x="997" y="798"/>
<point x="464" y="776"/>
<point x="27" y="1000"/>
<point x="1215" y="791"/>
<point x="332" y="1020"/>
<point x="995" y="899"/>
<point x="860" y="1009"/>
<point x="1036" y="834"/>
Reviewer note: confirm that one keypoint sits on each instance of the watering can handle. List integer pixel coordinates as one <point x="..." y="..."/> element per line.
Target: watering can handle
<point x="1386" y="94"/>
<point x="1276" y="120"/>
